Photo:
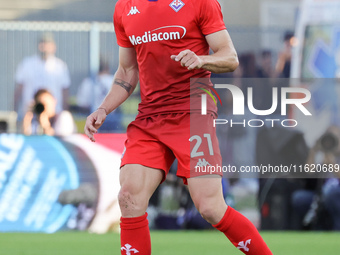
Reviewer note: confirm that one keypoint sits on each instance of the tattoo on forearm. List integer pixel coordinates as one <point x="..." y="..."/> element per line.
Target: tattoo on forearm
<point x="125" y="85"/>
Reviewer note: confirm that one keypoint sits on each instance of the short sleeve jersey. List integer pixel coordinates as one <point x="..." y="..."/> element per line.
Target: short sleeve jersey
<point x="157" y="30"/>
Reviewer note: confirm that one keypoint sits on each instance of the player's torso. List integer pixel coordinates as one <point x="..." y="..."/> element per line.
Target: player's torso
<point x="157" y="30"/>
<point x="162" y="28"/>
<point x="162" y="22"/>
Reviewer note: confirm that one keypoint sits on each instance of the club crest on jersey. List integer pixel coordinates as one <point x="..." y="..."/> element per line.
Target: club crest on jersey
<point x="176" y="5"/>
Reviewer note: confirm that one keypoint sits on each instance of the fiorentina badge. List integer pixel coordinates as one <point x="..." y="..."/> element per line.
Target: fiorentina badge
<point x="176" y="5"/>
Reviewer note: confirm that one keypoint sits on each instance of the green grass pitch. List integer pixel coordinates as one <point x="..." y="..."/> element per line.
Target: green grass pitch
<point x="165" y="243"/>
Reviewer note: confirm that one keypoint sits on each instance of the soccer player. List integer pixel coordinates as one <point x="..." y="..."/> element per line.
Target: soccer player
<point x="164" y="43"/>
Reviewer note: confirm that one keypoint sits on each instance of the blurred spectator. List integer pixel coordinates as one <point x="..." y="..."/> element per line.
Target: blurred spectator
<point x="265" y="70"/>
<point x="42" y="71"/>
<point x="248" y="65"/>
<point x="331" y="191"/>
<point x="42" y="118"/>
<point x="314" y="206"/>
<point x="242" y="138"/>
<point x="92" y="92"/>
<point x="311" y="204"/>
<point x="246" y="69"/>
<point x="283" y="63"/>
<point x="263" y="89"/>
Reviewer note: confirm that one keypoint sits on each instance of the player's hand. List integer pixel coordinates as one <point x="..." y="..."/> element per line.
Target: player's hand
<point x="93" y="122"/>
<point x="188" y="59"/>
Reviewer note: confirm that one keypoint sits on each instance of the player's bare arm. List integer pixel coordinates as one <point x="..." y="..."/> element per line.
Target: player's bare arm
<point x="124" y="83"/>
<point x="224" y="59"/>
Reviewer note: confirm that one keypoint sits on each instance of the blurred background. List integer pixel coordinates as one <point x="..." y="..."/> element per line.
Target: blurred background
<point x="57" y="60"/>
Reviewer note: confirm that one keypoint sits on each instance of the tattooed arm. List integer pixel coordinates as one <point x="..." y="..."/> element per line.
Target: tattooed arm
<point x="125" y="81"/>
<point x="125" y="85"/>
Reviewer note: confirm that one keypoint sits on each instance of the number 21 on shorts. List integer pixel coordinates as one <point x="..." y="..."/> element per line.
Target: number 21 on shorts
<point x="196" y="151"/>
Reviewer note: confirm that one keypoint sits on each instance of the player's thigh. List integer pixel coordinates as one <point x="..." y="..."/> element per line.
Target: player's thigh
<point x="207" y="195"/>
<point x="139" y="181"/>
<point x="204" y="146"/>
